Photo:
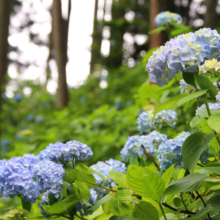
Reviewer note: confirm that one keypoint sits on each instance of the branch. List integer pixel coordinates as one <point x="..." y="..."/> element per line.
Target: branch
<point x="148" y="155"/>
<point x="184" y="211"/>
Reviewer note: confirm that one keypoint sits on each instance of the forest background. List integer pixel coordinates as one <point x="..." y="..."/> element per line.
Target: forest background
<point x="102" y="110"/>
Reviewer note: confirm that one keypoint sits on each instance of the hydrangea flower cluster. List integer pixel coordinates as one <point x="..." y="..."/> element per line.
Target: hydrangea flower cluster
<point x="183" y="53"/>
<point x="104" y="168"/>
<point x="166" y="18"/>
<point x="147" y="122"/>
<point x="211" y="106"/>
<point x="210" y="67"/>
<point x="60" y="152"/>
<point x="15" y="214"/>
<point x="170" y="152"/>
<point x="133" y="147"/>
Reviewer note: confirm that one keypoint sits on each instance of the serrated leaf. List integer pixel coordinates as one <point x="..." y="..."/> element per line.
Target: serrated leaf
<point x="193" y="147"/>
<point x="72" y="174"/>
<point x="186" y="184"/>
<point x="172" y="103"/>
<point x="195" y="121"/>
<point x="119" y="178"/>
<point x="204" y="114"/>
<point x="205" y="83"/>
<point x="145" y="182"/>
<point x="191" y="96"/>
<point x="214" y="122"/>
<point x="200" y="214"/>
<point x="167" y="175"/>
<point x="121" y="203"/>
<point x="189" y="78"/>
<point x="145" y="211"/>
<point x="61" y="206"/>
<point x="81" y="190"/>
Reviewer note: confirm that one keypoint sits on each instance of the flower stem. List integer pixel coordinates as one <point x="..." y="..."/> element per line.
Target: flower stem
<point x="161" y="207"/>
<point x="103" y="187"/>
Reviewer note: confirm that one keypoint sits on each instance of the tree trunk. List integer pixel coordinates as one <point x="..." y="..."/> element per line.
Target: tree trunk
<point x="5" y="9"/>
<point x="156" y="6"/>
<point x="210" y="16"/>
<point x="96" y="39"/>
<point x="60" y="48"/>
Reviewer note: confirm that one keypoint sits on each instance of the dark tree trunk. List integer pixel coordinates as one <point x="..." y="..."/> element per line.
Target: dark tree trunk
<point x="156" y="6"/>
<point x="210" y="17"/>
<point x="60" y="48"/>
<point x="96" y="39"/>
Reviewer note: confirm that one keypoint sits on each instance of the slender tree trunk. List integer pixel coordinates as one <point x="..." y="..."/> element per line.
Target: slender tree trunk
<point x="5" y="9"/>
<point x="60" y="48"/>
<point x="210" y="15"/>
<point x="156" y="6"/>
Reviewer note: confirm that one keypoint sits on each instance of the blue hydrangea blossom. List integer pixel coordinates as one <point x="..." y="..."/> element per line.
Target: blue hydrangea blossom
<point x="147" y="122"/>
<point x="166" y="18"/>
<point x="60" y="152"/>
<point x="104" y="168"/>
<point x="133" y="147"/>
<point x="183" y="53"/>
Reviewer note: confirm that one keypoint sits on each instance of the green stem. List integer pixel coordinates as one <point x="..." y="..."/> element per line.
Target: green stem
<point x="161" y="207"/>
<point x="181" y="196"/>
<point x="103" y="187"/>
<point x="209" y="113"/>
<point x="203" y="203"/>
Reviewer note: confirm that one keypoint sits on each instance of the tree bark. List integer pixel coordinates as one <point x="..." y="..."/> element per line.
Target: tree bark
<point x="210" y="16"/>
<point x="60" y="48"/>
<point x="156" y="6"/>
<point x="5" y="9"/>
<point x="96" y="39"/>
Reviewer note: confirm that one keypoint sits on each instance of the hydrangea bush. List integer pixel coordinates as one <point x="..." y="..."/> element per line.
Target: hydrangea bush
<point x="161" y="177"/>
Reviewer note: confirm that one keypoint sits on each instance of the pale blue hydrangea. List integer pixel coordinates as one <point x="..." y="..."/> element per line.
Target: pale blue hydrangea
<point x="218" y="97"/>
<point x="17" y="97"/>
<point x="147" y="122"/>
<point x="133" y="147"/>
<point x="65" y="153"/>
<point x="2" y="181"/>
<point x="82" y="207"/>
<point x="166" y="18"/>
<point x="183" y="53"/>
<point x="104" y="168"/>
<point x="19" y="180"/>
<point x="49" y="175"/>
<point x="212" y="106"/>
<point x="170" y="152"/>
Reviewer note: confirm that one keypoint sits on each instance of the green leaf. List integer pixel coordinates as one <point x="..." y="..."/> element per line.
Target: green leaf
<point x="121" y="203"/>
<point x="191" y="96"/>
<point x="102" y="201"/>
<point x="189" y="78"/>
<point x="157" y="30"/>
<point x="73" y="174"/>
<point x="145" y="211"/>
<point x="93" y="171"/>
<point x="81" y="189"/>
<point x="195" y="121"/>
<point x="172" y="103"/>
<point x="26" y="205"/>
<point x="167" y="175"/>
<point x="213" y="169"/>
<point x="199" y="215"/>
<point x="214" y="202"/>
<point x="204" y="114"/>
<point x="205" y="83"/>
<point x="214" y="122"/>
<point x="193" y="147"/>
<point x="186" y="184"/>
<point x="122" y="218"/>
<point x="61" y="206"/>
<point x="119" y="178"/>
<point x="145" y="182"/>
